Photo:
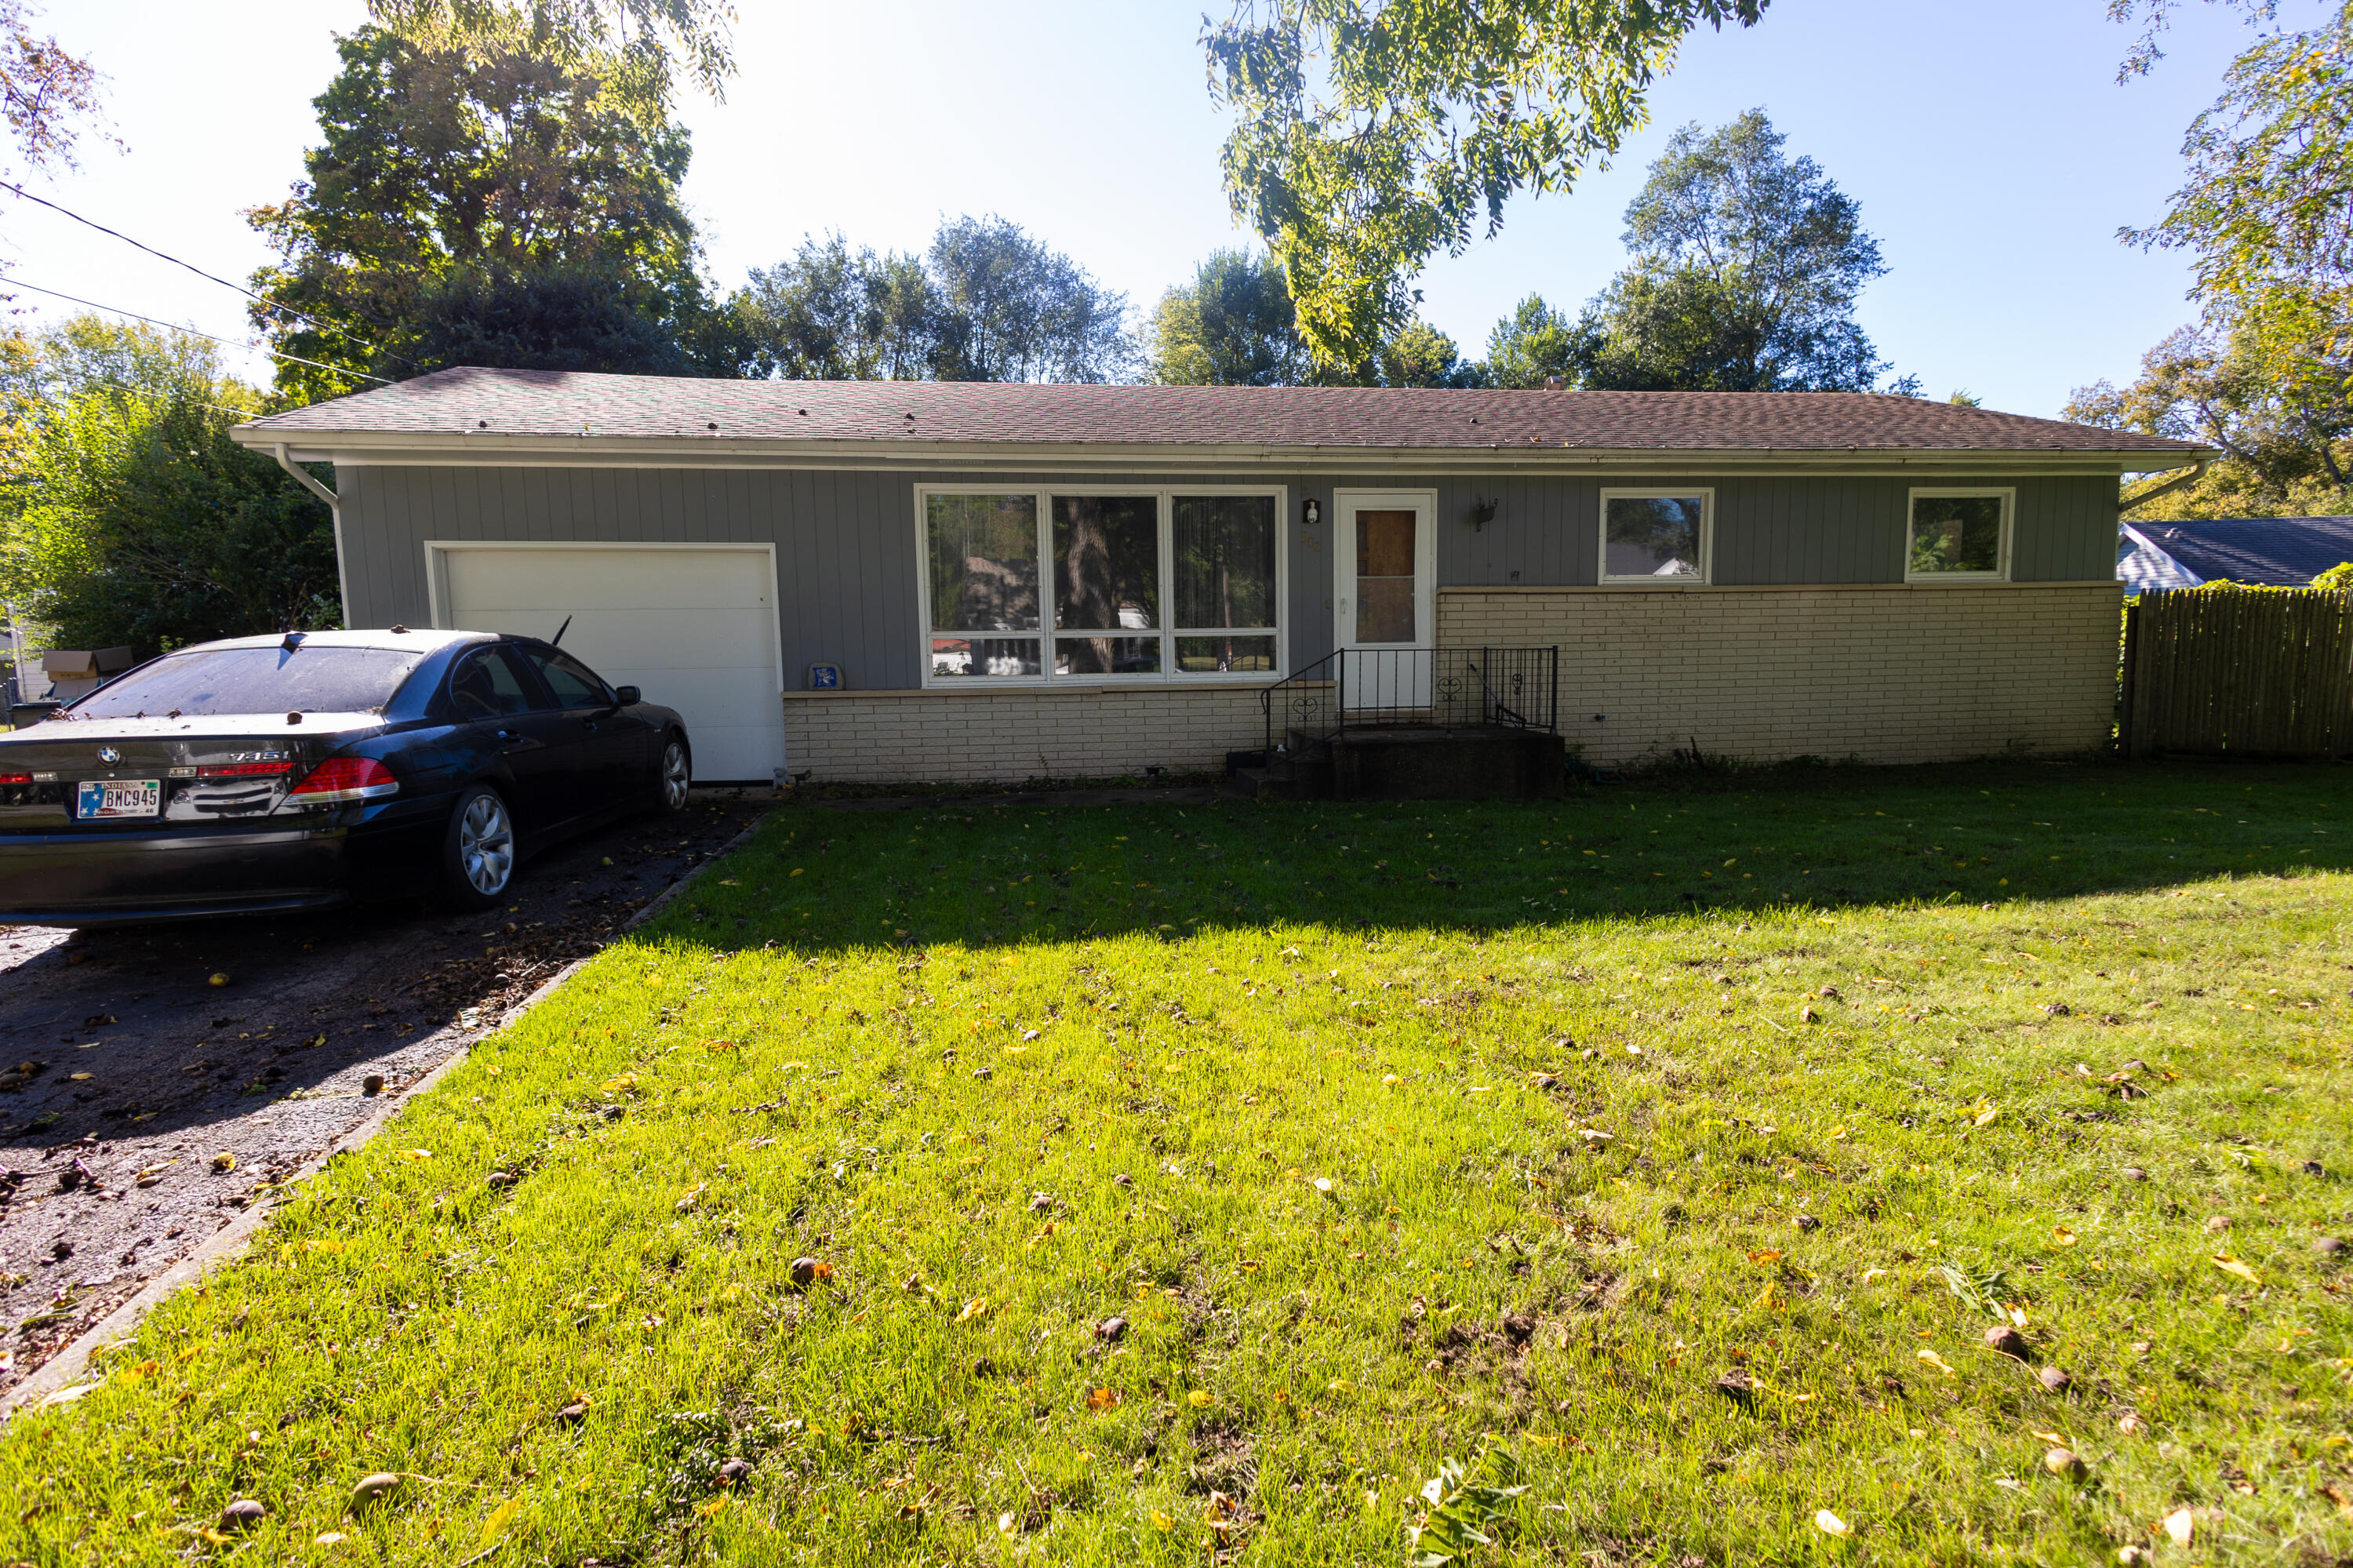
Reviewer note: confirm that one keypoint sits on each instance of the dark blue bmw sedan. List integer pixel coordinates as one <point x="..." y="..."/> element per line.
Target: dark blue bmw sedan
<point x="267" y="774"/>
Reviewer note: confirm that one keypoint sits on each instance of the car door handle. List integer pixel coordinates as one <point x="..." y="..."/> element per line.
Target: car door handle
<point x="588" y="724"/>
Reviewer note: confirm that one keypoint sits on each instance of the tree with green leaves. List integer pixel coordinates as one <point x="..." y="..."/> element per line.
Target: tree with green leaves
<point x="1421" y="356"/>
<point x="559" y="316"/>
<point x="1369" y="137"/>
<point x="832" y="313"/>
<point x="1748" y="266"/>
<point x="2275" y="402"/>
<point x="47" y="93"/>
<point x="986" y="301"/>
<point x="452" y="183"/>
<point x="2266" y="215"/>
<point x="1533" y="347"/>
<point x="1012" y="309"/>
<point x="1233" y="325"/>
<point x="134" y="518"/>
<point x="641" y="45"/>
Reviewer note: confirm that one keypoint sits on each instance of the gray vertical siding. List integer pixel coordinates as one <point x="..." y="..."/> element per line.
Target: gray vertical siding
<point x="847" y="560"/>
<point x="1780" y="529"/>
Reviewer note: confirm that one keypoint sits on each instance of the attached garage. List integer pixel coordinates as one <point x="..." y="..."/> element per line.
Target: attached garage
<point x="693" y="626"/>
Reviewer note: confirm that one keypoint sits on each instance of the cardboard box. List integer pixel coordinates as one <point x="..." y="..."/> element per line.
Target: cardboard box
<point x="84" y="664"/>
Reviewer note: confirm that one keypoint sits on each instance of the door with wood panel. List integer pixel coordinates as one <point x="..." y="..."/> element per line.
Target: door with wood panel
<point x="1384" y="598"/>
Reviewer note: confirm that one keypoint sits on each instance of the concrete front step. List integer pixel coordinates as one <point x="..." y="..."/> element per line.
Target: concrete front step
<point x="1411" y="763"/>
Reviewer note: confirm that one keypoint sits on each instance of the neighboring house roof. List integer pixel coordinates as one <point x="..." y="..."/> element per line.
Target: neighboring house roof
<point x="488" y="410"/>
<point x="2280" y="552"/>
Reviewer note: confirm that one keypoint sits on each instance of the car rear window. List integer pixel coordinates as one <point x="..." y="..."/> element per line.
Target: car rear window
<point x="256" y="681"/>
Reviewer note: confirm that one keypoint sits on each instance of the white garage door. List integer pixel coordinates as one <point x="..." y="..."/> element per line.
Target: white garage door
<point x="693" y="627"/>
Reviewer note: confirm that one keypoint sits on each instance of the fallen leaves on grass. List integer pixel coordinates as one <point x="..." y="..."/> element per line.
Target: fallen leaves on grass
<point x="1829" y="1524"/>
<point x="370" y="1488"/>
<point x="1933" y="1360"/>
<point x="496" y="1524"/>
<point x="2229" y="1265"/>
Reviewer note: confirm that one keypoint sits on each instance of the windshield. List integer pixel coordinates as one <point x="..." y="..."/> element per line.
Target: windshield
<point x="256" y="681"/>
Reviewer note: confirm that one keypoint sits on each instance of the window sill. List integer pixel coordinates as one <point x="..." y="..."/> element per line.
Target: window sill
<point x="1250" y="682"/>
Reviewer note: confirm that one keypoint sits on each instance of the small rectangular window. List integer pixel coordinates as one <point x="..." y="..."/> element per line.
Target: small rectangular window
<point x="1225" y="655"/>
<point x="1656" y="535"/>
<point x="1959" y="533"/>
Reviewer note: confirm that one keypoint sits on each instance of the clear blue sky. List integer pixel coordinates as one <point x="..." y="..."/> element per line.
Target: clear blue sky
<point x="1988" y="143"/>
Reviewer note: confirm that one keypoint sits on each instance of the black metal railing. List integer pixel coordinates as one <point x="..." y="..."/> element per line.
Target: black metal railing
<point x="1454" y="688"/>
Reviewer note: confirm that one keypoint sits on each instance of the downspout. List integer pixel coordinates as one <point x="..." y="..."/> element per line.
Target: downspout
<point x="2178" y="482"/>
<point x="304" y="478"/>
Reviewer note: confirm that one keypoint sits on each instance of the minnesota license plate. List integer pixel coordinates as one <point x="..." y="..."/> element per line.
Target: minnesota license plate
<point x="118" y="797"/>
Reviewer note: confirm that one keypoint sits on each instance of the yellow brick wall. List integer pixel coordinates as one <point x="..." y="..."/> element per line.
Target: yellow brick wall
<point x="1886" y="672"/>
<point x="1006" y="736"/>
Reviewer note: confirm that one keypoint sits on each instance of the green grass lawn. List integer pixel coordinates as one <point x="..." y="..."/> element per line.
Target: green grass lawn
<point x="1673" y="1146"/>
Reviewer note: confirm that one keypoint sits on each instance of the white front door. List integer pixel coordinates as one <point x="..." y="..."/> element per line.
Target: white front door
<point x="692" y="626"/>
<point x="1384" y="598"/>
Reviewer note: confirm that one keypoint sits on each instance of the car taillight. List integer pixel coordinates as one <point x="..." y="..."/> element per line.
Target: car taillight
<point x="344" y="778"/>
<point x="16" y="778"/>
<point x="244" y="770"/>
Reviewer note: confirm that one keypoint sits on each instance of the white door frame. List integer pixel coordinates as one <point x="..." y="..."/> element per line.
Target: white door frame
<point x="1345" y="504"/>
<point x="1391" y="676"/>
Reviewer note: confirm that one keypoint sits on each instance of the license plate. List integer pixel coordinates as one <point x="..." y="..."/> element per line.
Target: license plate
<point x="120" y="798"/>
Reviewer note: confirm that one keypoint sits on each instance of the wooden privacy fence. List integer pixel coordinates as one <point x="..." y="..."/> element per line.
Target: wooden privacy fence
<point x="2239" y="672"/>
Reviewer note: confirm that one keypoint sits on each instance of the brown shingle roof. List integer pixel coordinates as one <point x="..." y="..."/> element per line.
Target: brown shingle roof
<point x="566" y="403"/>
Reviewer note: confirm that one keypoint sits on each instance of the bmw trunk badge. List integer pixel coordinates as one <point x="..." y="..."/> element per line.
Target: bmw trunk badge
<point x="109" y="755"/>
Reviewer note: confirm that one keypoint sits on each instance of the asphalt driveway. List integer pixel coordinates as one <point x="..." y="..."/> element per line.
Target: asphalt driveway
<point x="156" y="1082"/>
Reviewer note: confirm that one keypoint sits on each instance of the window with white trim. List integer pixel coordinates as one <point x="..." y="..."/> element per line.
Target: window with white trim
<point x="1957" y="535"/>
<point x="1100" y="584"/>
<point x="1657" y="535"/>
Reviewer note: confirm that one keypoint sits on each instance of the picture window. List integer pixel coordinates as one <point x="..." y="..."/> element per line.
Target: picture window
<point x="1100" y="585"/>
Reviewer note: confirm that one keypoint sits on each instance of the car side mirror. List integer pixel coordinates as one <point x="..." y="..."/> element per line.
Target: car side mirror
<point x="627" y="697"/>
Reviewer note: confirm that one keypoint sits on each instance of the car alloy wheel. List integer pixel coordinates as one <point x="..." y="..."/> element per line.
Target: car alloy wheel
<point x="675" y="776"/>
<point x="486" y="845"/>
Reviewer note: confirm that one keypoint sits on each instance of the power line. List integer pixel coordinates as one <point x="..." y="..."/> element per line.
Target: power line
<point x="174" y="326"/>
<point x="199" y="272"/>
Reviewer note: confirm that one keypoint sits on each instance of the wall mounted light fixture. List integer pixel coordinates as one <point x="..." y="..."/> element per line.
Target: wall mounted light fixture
<point x="1314" y="512"/>
<point x="1483" y="512"/>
